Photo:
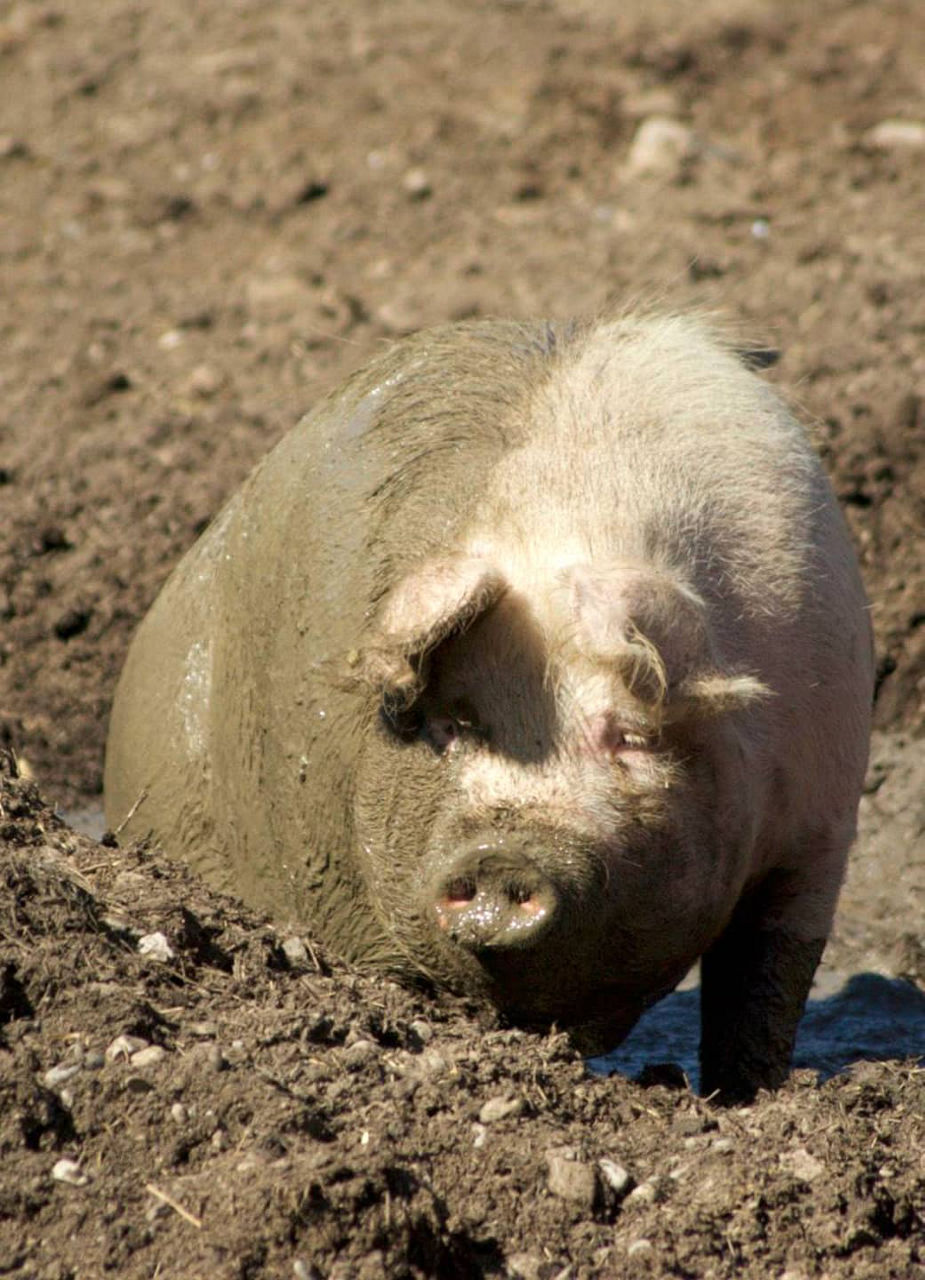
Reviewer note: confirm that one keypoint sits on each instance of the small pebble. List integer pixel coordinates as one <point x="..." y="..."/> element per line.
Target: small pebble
<point x="432" y="1063"/>
<point x="423" y="1030"/>
<point x="124" y="1046"/>
<point x="155" y="947"/>
<point x="204" y="1030"/>
<point x="572" y="1180"/>
<point x="417" y="184"/>
<point x="58" y="1075"/>
<point x="479" y="1135"/>
<point x="660" y="146"/>
<point x="148" y="1057"/>
<point x="93" y="1060"/>
<point x="12" y="148"/>
<point x="360" y="1052"/>
<point x="138" y="1084"/>
<point x="205" y="381"/>
<point x="295" y="951"/>
<point x="897" y="135"/>
<point x="530" y="1266"/>
<point x="500" y="1108"/>
<point x="179" y="1113"/>
<point x="645" y="1193"/>
<point x="214" y="1058"/>
<point x="618" y="1179"/>
<point x="722" y="1146"/>
<point x="69" y="1171"/>
<point x="639" y="1247"/>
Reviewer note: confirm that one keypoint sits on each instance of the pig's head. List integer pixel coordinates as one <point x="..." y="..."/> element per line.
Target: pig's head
<point x="553" y="796"/>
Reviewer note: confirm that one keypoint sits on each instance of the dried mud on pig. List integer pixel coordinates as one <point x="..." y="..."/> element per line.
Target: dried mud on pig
<point x="211" y="215"/>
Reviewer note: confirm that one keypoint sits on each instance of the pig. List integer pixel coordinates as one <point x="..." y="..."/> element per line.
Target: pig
<point x="533" y="663"/>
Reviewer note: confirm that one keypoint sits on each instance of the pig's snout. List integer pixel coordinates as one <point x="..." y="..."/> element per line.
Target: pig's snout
<point x="495" y="898"/>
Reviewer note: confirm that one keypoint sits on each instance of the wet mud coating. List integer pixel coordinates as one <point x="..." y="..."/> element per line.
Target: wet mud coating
<point x="209" y="220"/>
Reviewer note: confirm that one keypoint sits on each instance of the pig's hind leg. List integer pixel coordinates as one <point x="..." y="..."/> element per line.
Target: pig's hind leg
<point x="754" y="983"/>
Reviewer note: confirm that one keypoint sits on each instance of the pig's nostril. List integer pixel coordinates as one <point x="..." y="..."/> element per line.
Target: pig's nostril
<point x="460" y="889"/>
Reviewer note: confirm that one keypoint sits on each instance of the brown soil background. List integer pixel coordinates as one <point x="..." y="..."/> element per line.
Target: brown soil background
<point x="209" y="214"/>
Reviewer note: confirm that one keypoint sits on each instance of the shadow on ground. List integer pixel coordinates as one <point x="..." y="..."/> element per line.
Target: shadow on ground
<point x="869" y="1018"/>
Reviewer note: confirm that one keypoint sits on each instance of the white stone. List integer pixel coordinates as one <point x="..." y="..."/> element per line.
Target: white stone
<point x="618" y="1179"/>
<point x="500" y="1108"/>
<point x="69" y="1171"/>
<point x="660" y="146"/>
<point x="155" y="946"/>
<point x="124" y="1046"/>
<point x="898" y="135"/>
<point x="56" y="1076"/>
<point x="149" y="1056"/>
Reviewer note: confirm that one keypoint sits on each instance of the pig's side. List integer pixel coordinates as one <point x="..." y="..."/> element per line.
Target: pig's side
<point x="534" y="660"/>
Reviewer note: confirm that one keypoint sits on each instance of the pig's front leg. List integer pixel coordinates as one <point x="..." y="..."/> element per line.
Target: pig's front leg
<point x="754" y="983"/>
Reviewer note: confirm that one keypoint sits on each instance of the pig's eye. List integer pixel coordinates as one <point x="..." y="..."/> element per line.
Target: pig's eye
<point x="445" y="730"/>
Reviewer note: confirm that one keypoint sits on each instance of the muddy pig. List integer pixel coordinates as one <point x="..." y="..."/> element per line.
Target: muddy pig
<point x="534" y="660"/>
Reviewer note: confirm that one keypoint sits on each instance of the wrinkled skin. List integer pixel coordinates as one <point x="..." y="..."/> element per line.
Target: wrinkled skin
<point x="534" y="660"/>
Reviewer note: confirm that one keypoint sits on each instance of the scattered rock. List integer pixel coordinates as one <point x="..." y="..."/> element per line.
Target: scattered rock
<point x="148" y="1057"/>
<point x="69" y="1171"/>
<point x="417" y="184"/>
<point x="360" y="1052"/>
<point x="661" y="146"/>
<point x="124" y="1046"/>
<point x="203" y="1030"/>
<point x="618" y="1180"/>
<point x="530" y="1266"/>
<point x="897" y="135"/>
<point x="205" y="381"/>
<point x="295" y="951"/>
<point x="154" y="946"/>
<point x="58" y="1075"/>
<point x="500" y="1109"/>
<point x="645" y="1193"/>
<point x="572" y="1179"/>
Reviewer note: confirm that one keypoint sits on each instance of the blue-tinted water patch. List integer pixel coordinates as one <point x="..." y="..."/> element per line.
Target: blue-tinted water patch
<point x="869" y="1018"/>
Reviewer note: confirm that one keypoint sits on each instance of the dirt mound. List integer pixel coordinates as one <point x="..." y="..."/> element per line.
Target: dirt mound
<point x="186" y="1091"/>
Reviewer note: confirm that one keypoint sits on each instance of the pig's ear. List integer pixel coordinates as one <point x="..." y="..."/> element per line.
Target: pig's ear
<point x="438" y="600"/>
<point x="642" y="622"/>
<point x="653" y="630"/>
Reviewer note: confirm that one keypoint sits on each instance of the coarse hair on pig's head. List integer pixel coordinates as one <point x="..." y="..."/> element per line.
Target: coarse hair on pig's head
<point x="627" y="646"/>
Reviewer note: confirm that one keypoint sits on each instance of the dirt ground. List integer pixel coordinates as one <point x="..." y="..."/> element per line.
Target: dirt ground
<point x="209" y="214"/>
